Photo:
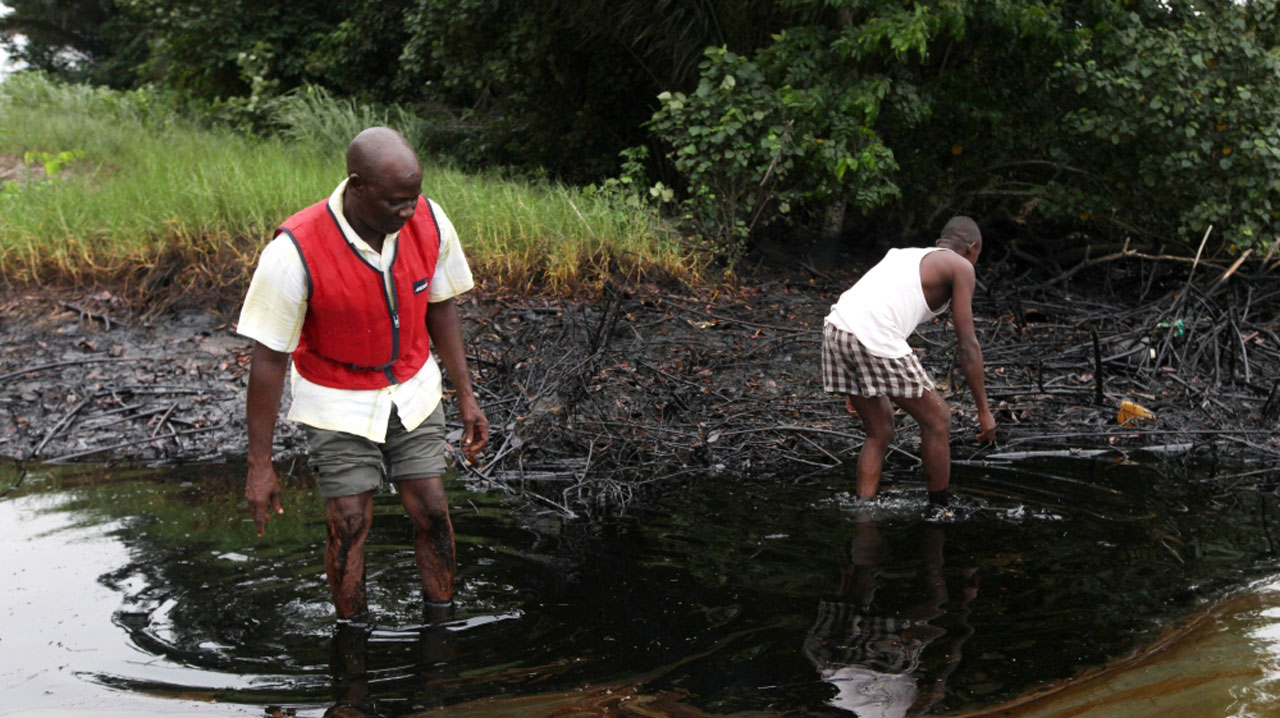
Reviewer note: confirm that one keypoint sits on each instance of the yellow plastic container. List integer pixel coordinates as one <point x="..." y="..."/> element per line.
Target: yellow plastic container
<point x="1131" y="413"/>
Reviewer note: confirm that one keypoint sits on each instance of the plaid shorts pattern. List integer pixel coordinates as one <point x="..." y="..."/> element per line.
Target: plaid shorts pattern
<point x="843" y="636"/>
<point x="848" y="368"/>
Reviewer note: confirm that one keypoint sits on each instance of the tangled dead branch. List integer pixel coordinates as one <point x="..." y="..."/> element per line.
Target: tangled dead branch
<point x="596" y="404"/>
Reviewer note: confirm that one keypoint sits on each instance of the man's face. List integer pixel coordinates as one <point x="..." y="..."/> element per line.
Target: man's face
<point x="384" y="204"/>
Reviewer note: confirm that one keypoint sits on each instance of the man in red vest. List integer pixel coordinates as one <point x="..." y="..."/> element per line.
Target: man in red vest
<point x="356" y="289"/>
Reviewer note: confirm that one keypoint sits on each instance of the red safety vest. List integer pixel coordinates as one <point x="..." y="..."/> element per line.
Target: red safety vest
<point x="352" y="336"/>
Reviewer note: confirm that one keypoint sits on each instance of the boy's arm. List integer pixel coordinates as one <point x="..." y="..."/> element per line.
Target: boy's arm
<point x="968" y="352"/>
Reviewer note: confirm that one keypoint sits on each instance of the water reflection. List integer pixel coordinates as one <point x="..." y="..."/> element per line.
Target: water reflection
<point x="433" y="670"/>
<point x="1263" y="633"/>
<point x="760" y="596"/>
<point x="1221" y="662"/>
<point x="873" y="653"/>
<point x="349" y="666"/>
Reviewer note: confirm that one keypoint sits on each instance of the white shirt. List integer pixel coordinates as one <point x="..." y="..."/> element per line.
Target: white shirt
<point x="884" y="307"/>
<point x="871" y="694"/>
<point x="276" y="304"/>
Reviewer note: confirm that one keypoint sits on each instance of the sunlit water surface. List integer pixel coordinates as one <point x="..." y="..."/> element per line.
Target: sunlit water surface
<point x="132" y="592"/>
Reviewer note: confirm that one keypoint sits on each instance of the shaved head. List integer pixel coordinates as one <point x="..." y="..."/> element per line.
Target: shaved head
<point x="959" y="234"/>
<point x="381" y="153"/>
<point x="384" y="181"/>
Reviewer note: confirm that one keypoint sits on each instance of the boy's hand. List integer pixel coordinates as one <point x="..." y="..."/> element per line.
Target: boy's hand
<point x="848" y="406"/>
<point x="986" y="427"/>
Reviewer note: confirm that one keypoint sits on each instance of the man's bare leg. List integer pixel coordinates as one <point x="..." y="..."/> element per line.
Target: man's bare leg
<point x="348" y="519"/>
<point x="877" y="423"/>
<point x="934" y="417"/>
<point x="433" y="546"/>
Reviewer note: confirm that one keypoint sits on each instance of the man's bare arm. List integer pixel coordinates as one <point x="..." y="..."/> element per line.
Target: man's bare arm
<point x="266" y="384"/>
<point x="968" y="351"/>
<point x="446" y="335"/>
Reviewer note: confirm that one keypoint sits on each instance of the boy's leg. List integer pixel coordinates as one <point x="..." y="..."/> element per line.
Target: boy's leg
<point x="934" y="417"/>
<point x="877" y="423"/>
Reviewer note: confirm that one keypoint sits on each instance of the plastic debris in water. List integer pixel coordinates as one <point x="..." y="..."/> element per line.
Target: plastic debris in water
<point x="1131" y="413"/>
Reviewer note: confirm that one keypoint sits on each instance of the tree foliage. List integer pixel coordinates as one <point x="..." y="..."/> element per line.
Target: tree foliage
<point x="217" y="49"/>
<point x="1106" y="120"/>
<point x="77" y="40"/>
<point x="561" y="85"/>
<point x="1175" y="114"/>
<point x="1111" y="120"/>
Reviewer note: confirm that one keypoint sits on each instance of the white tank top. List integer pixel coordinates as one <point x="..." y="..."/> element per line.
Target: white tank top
<point x="884" y="307"/>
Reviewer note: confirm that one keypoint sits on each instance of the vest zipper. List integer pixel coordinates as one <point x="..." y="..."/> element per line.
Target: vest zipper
<point x="393" y="308"/>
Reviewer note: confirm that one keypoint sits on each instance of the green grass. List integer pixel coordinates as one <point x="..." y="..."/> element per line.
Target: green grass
<point x="159" y="203"/>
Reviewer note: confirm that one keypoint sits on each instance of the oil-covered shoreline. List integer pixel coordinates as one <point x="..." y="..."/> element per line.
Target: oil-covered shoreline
<point x="595" y="403"/>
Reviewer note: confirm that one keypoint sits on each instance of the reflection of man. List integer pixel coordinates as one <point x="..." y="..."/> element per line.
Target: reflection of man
<point x="357" y="288"/>
<point x="348" y="664"/>
<point x="865" y="354"/>
<point x="433" y="670"/>
<point x="873" y="657"/>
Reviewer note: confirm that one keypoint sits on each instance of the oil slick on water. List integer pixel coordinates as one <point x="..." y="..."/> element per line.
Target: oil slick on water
<point x="145" y="590"/>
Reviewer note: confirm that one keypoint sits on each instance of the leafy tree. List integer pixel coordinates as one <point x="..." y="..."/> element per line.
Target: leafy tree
<point x="1103" y="119"/>
<point x="743" y="144"/>
<point x="565" y="86"/>
<point x="881" y="100"/>
<point x="211" y="49"/>
<point x="358" y="55"/>
<point x="78" y="40"/>
<point x="1176" y="119"/>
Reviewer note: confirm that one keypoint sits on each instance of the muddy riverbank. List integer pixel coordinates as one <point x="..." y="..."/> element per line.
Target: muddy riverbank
<point x="594" y="403"/>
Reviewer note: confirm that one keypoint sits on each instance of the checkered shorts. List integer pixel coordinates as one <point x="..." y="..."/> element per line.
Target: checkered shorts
<point x="848" y="368"/>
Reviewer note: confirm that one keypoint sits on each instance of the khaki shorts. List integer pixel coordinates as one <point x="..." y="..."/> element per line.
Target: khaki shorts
<point x="346" y="464"/>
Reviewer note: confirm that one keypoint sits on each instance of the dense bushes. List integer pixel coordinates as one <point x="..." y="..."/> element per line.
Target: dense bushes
<point x="1105" y="120"/>
<point x="1141" y="121"/>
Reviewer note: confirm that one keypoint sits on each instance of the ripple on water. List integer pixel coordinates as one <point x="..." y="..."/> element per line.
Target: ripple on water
<point x="762" y="594"/>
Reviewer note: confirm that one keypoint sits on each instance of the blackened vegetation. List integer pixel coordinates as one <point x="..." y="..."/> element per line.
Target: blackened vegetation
<point x="595" y="405"/>
<point x="91" y="381"/>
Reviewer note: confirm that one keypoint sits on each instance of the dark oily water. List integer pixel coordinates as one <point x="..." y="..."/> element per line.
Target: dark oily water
<point x="763" y="596"/>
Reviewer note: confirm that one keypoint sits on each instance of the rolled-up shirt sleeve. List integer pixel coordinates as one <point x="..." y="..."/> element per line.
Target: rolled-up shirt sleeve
<point x="452" y="276"/>
<point x="276" y="302"/>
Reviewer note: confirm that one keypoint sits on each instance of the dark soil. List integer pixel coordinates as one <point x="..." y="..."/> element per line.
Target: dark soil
<point x="595" y="403"/>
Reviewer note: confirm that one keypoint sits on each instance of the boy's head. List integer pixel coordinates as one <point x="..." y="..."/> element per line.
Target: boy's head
<point x="962" y="236"/>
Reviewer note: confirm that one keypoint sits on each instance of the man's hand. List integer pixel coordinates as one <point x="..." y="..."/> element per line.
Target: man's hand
<point x="266" y="384"/>
<point x="475" y="429"/>
<point x="986" y="427"/>
<point x="262" y="489"/>
<point x="446" y="335"/>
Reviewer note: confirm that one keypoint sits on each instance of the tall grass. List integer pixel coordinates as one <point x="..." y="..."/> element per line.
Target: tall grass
<point x="160" y="202"/>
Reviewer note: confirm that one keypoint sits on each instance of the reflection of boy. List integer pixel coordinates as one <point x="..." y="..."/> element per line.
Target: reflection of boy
<point x="870" y="661"/>
<point x="873" y="661"/>
<point x="865" y="354"/>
